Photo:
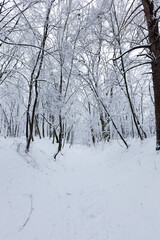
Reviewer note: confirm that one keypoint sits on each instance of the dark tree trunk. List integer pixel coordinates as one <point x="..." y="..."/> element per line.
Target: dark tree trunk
<point x="103" y="127"/>
<point x="55" y="137"/>
<point x="60" y="136"/>
<point x="43" y="131"/>
<point x="154" y="39"/>
<point x="37" y="126"/>
<point x="60" y="114"/>
<point x="34" y="81"/>
<point x="156" y="82"/>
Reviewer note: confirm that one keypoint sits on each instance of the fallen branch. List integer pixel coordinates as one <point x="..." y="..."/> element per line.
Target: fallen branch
<point x="30" y="213"/>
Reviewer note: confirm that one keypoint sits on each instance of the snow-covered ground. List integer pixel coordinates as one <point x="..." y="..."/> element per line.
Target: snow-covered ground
<point x="102" y="193"/>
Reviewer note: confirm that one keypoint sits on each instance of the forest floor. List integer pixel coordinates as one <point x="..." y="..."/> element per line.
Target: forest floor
<point x="98" y="193"/>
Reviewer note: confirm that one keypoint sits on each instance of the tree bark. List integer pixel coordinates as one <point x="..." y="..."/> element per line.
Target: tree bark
<point x="154" y="39"/>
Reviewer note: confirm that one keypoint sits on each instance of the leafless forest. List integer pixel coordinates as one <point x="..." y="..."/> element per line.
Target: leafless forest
<point x="79" y="71"/>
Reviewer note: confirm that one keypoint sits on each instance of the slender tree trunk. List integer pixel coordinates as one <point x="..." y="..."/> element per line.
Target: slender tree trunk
<point x="37" y="126"/>
<point x="135" y="118"/>
<point x="34" y="78"/>
<point x="60" y="113"/>
<point x="43" y="131"/>
<point x="60" y="136"/>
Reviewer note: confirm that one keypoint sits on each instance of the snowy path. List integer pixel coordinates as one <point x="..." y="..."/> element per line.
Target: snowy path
<point x="88" y="194"/>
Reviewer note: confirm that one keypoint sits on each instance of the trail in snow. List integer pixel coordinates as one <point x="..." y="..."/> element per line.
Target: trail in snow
<point x="103" y="193"/>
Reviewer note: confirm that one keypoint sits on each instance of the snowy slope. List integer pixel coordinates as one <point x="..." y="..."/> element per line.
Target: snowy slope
<point x="102" y="193"/>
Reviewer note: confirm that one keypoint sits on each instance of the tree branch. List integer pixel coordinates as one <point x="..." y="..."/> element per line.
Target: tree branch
<point x="130" y="50"/>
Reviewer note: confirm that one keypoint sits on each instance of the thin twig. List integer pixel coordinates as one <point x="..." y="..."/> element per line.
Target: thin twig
<point x="30" y="213"/>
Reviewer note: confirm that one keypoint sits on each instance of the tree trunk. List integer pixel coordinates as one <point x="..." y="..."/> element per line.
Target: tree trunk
<point x="154" y="39"/>
<point x="43" y="131"/>
<point x="34" y="79"/>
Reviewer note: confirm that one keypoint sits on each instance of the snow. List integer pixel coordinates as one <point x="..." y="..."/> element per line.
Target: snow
<point x="101" y="193"/>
